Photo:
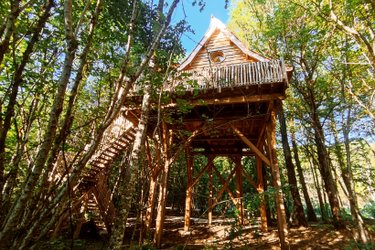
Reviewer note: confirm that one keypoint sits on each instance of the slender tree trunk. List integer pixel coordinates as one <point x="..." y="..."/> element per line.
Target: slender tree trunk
<point x="27" y="191"/>
<point x="324" y="165"/>
<point x="361" y="233"/>
<point x="311" y="216"/>
<point x="298" y="216"/>
<point x="167" y="161"/>
<point x="5" y="124"/>
<point x="323" y="213"/>
<point x="9" y="28"/>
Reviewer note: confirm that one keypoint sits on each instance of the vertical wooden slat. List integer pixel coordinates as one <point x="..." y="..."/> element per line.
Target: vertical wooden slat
<point x="240" y="74"/>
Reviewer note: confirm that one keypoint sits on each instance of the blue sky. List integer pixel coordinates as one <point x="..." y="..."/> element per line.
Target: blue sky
<point x="200" y="21"/>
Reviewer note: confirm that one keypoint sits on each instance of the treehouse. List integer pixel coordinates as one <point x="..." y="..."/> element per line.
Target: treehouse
<point x="232" y="94"/>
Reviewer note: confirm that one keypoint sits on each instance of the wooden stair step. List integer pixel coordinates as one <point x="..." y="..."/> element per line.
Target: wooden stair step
<point x="122" y="145"/>
<point x="112" y="150"/>
<point x="108" y="153"/>
<point x="97" y="163"/>
<point x="104" y="159"/>
<point x="116" y="147"/>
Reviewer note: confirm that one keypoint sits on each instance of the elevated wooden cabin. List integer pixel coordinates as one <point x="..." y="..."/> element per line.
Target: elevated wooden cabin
<point x="233" y="95"/>
<point x="237" y="87"/>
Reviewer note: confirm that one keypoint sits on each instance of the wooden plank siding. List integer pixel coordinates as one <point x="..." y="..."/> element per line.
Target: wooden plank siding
<point x="218" y="41"/>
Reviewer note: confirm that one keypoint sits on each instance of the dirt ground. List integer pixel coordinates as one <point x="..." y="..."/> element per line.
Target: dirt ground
<point x="226" y="234"/>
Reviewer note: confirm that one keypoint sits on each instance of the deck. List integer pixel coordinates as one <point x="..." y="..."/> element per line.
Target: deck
<point x="230" y="76"/>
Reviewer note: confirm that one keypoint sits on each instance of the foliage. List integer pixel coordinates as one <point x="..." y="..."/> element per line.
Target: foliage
<point x="368" y="210"/>
<point x="62" y="66"/>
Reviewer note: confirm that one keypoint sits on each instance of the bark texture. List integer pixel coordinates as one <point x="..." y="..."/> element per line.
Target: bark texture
<point x="298" y="216"/>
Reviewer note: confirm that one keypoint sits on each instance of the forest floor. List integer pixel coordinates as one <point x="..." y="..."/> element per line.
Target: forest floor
<point x="227" y="234"/>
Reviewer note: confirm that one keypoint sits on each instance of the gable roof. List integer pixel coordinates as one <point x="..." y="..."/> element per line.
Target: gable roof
<point x="216" y="24"/>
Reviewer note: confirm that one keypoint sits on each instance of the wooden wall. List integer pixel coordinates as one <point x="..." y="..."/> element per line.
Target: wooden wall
<point x="218" y="41"/>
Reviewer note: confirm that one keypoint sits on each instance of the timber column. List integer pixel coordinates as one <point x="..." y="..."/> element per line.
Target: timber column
<point x="239" y="189"/>
<point x="167" y="160"/>
<point x="271" y="142"/>
<point x="260" y="189"/>
<point x="210" y="195"/>
<point x="189" y="190"/>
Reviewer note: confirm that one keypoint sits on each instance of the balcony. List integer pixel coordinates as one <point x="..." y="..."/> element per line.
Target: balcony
<point x="230" y="76"/>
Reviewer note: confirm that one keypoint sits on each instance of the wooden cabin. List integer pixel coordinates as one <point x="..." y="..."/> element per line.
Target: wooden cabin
<point x="234" y="94"/>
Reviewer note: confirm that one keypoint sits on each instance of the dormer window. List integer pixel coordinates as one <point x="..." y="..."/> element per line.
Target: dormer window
<point x="217" y="56"/>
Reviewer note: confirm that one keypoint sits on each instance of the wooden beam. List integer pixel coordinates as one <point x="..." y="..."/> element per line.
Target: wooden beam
<point x="251" y="145"/>
<point x="233" y="100"/>
<point x="261" y="134"/>
<point x="249" y="179"/>
<point x="225" y="185"/>
<point x="195" y="181"/>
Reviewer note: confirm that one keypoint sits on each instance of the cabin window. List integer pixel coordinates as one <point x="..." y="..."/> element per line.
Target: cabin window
<point x="217" y="56"/>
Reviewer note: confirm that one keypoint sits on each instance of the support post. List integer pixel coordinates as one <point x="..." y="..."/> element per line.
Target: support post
<point x="163" y="187"/>
<point x="150" y="204"/>
<point x="210" y="193"/>
<point x="239" y="189"/>
<point x="189" y="189"/>
<point x="260" y="189"/>
<point x="271" y="142"/>
<point x="155" y="170"/>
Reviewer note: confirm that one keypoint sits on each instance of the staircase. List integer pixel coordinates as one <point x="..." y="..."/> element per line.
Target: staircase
<point x="120" y="137"/>
<point x="103" y="161"/>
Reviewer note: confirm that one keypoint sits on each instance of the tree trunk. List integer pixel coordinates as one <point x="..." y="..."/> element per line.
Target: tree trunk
<point x="324" y="164"/>
<point x="9" y="28"/>
<point x="318" y="191"/>
<point x="311" y="216"/>
<point x="360" y="234"/>
<point x="298" y="216"/>
<point x="16" y="83"/>
<point x="27" y="191"/>
<point x="162" y="200"/>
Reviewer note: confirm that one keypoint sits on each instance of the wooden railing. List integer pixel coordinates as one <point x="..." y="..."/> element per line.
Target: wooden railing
<point x="231" y="76"/>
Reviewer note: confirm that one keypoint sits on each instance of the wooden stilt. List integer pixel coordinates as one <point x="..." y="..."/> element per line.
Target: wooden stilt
<point x="189" y="189"/>
<point x="150" y="205"/>
<point x="260" y="189"/>
<point x="210" y="195"/>
<point x="281" y="220"/>
<point x="163" y="188"/>
<point x="239" y="189"/>
<point x="152" y="189"/>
